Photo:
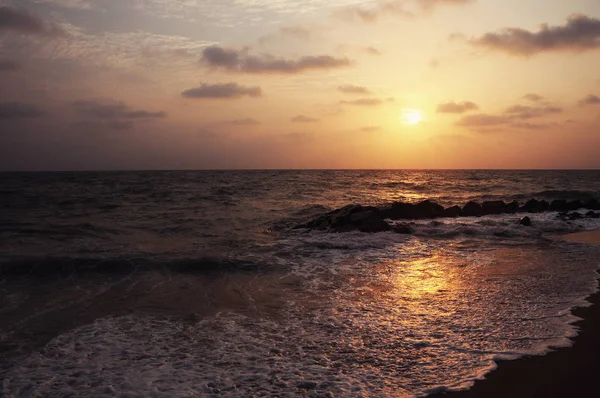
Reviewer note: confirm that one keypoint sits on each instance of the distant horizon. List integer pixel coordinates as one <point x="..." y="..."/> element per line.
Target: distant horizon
<point x="274" y="169"/>
<point x="374" y="84"/>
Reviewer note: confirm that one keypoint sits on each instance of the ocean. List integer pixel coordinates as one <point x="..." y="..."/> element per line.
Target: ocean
<point x="196" y="283"/>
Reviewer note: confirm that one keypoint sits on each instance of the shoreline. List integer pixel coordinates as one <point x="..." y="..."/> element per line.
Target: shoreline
<point x="563" y="372"/>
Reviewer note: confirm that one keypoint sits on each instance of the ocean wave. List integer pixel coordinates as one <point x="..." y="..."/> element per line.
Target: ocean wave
<point x="564" y="194"/>
<point x="64" y="266"/>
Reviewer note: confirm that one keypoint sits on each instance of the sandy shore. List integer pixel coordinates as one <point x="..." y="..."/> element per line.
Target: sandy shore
<point x="566" y="372"/>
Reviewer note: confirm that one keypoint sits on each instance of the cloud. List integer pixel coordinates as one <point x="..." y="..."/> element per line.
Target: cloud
<point x="19" y="110"/>
<point x="240" y="61"/>
<point x="112" y="114"/>
<point x="530" y="112"/>
<point x="27" y="23"/>
<point x="372" y="51"/>
<point x="296" y="31"/>
<point x="364" y="102"/>
<point x="516" y="116"/>
<point x="372" y="15"/>
<point x="590" y="100"/>
<point x="453" y="107"/>
<point x="222" y="91"/>
<point x="113" y="110"/>
<point x="431" y="4"/>
<point x="533" y="97"/>
<point x="304" y="119"/>
<point x="401" y="8"/>
<point x="580" y="33"/>
<point x="351" y="89"/>
<point x="244" y="122"/>
<point x="8" y="65"/>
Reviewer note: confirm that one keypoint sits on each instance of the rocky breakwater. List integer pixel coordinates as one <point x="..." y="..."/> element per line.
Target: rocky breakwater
<point x="379" y="219"/>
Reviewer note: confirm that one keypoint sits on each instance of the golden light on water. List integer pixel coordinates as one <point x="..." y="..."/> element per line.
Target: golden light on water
<point x="411" y="117"/>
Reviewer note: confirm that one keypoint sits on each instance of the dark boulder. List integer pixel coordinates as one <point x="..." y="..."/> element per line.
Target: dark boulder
<point x="403" y="229"/>
<point x="575" y="216"/>
<point x="574" y="205"/>
<point x="397" y="211"/>
<point x="427" y="209"/>
<point x="372" y="224"/>
<point x="493" y="207"/>
<point x="592" y="204"/>
<point x="454" y="211"/>
<point x="526" y="221"/>
<point x="559" y="205"/>
<point x="512" y="207"/>
<point x="535" y="206"/>
<point x="472" y="209"/>
<point x="349" y="218"/>
<point x="407" y="211"/>
<point x="592" y="214"/>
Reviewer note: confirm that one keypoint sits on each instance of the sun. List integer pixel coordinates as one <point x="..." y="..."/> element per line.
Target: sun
<point x="411" y="116"/>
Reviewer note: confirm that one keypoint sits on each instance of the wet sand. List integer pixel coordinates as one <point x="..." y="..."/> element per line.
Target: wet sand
<point x="565" y="372"/>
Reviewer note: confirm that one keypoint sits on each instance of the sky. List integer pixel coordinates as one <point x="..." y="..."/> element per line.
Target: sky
<point x="299" y="84"/>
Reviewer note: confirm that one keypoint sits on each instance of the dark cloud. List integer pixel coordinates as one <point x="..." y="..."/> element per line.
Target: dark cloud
<point x="19" y="110"/>
<point x="590" y="100"/>
<point x="240" y="61"/>
<point x="113" y="111"/>
<point x="454" y="107"/>
<point x="8" y="65"/>
<point x="304" y="119"/>
<point x="530" y="112"/>
<point x="25" y="22"/>
<point x="244" y="122"/>
<point x="114" y="115"/>
<point x="351" y="89"/>
<point x="533" y="97"/>
<point x="580" y="33"/>
<point x="516" y="116"/>
<point x="222" y="91"/>
<point x="364" y="102"/>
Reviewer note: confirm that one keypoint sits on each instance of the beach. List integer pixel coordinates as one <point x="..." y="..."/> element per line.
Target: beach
<point x="565" y="372"/>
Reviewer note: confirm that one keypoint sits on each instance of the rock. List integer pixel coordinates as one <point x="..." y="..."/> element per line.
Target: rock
<point x="526" y="221"/>
<point x="535" y="206"/>
<point x="574" y="205"/>
<point x="397" y="211"/>
<point x="306" y="385"/>
<point x="472" y="209"/>
<point x="512" y="207"/>
<point x="563" y="215"/>
<point x="350" y="218"/>
<point x="407" y="211"/>
<point x="493" y="207"/>
<point x="403" y="229"/>
<point x="427" y="209"/>
<point x="558" y="205"/>
<point x="373" y="224"/>
<point x="591" y="214"/>
<point x="575" y="216"/>
<point x="454" y="211"/>
<point x="592" y="204"/>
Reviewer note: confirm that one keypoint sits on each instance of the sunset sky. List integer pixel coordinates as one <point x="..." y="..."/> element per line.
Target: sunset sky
<point x="222" y="84"/>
